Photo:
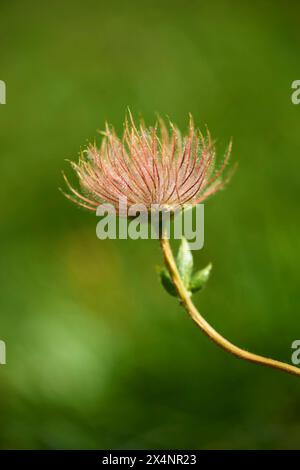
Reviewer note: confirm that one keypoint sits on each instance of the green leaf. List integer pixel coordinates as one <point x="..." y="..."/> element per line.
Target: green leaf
<point x="200" y="278"/>
<point x="167" y="282"/>
<point x="184" y="262"/>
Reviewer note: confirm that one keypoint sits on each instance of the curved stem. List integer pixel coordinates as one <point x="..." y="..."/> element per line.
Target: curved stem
<point x="205" y="327"/>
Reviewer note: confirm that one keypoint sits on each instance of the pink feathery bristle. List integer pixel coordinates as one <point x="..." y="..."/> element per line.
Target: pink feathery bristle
<point x="148" y="166"/>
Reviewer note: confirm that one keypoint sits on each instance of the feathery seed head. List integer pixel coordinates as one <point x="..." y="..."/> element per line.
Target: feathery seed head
<point x="152" y="166"/>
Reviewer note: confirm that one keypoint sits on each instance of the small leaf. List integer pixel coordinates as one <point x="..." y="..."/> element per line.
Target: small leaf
<point x="184" y="262"/>
<point x="200" y="278"/>
<point x="167" y="282"/>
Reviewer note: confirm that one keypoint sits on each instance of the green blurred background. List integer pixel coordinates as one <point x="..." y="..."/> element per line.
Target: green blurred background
<point x="98" y="355"/>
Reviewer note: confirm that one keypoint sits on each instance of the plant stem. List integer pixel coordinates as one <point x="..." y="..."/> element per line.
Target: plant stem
<point x="222" y="342"/>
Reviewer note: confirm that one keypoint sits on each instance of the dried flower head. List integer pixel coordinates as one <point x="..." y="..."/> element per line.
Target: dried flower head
<point x="149" y="166"/>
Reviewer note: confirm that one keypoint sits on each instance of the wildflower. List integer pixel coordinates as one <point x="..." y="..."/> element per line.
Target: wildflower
<point x="156" y="166"/>
<point x="149" y="166"/>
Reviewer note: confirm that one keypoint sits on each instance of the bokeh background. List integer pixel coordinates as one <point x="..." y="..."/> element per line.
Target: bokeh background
<point x="98" y="355"/>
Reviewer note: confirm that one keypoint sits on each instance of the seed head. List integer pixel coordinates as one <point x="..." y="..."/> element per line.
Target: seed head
<point x="149" y="166"/>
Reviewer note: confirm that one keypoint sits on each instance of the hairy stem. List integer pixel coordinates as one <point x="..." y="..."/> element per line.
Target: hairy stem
<point x="205" y="327"/>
